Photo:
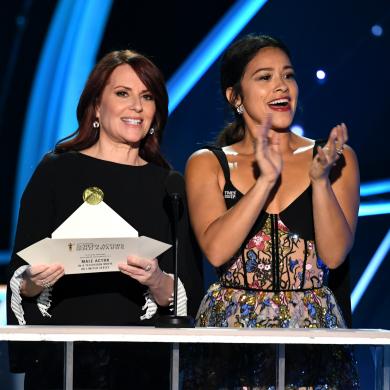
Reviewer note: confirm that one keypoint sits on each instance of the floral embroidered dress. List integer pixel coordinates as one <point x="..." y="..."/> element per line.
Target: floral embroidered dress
<point x="275" y="280"/>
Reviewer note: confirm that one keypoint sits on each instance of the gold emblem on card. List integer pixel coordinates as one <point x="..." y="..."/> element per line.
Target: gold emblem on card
<point x="93" y="195"/>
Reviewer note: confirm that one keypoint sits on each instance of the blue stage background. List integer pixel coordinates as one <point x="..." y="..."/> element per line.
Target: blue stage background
<point x="48" y="48"/>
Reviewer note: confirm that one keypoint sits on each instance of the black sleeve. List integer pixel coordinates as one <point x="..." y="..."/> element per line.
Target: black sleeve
<point x="34" y="223"/>
<point x="35" y="215"/>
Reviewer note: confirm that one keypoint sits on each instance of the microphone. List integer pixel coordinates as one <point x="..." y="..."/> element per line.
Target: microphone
<point x="174" y="187"/>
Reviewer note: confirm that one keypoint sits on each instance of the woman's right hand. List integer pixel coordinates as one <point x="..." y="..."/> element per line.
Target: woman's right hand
<point x="267" y="152"/>
<point x="328" y="156"/>
<point x="40" y="276"/>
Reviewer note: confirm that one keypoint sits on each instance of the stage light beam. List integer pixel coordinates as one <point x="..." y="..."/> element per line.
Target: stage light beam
<point x="370" y="271"/>
<point x="378" y="187"/>
<point x="210" y="48"/>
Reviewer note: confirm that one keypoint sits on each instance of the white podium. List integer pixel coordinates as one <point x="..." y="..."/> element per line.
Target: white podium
<point x="378" y="338"/>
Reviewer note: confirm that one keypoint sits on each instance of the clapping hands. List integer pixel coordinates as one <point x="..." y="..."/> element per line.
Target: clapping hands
<point x="267" y="152"/>
<point x="328" y="156"/>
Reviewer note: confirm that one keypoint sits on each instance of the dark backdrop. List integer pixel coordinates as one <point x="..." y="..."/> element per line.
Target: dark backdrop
<point x="332" y="35"/>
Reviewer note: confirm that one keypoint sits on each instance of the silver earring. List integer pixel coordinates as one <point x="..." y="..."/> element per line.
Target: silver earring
<point x="96" y="124"/>
<point x="240" y="109"/>
<point x="151" y="131"/>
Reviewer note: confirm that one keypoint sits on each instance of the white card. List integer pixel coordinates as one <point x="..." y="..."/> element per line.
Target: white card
<point x="93" y="239"/>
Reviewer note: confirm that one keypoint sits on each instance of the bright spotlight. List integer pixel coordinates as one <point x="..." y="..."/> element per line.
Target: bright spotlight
<point x="377" y="30"/>
<point x="320" y="74"/>
<point x="297" y="129"/>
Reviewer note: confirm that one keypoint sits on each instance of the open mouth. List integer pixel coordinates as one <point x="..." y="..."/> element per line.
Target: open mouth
<point x="282" y="104"/>
<point x="279" y="103"/>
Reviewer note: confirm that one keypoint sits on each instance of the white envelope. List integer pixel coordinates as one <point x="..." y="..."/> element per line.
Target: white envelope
<point x="93" y="239"/>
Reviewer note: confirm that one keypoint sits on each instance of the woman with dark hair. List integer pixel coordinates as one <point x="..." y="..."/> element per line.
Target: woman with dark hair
<point x="273" y="212"/>
<point x="115" y="154"/>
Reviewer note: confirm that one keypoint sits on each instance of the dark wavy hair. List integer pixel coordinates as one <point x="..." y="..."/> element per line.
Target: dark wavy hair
<point x="86" y="135"/>
<point x="233" y="65"/>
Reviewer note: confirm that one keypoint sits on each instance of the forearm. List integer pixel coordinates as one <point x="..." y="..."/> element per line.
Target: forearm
<point x="224" y="236"/>
<point x="334" y="237"/>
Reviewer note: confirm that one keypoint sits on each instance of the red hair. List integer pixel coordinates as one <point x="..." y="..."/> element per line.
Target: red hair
<point x="86" y="135"/>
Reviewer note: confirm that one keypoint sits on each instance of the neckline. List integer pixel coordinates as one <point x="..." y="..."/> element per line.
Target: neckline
<point x="284" y="209"/>
<point x="108" y="162"/>
<point x="298" y="150"/>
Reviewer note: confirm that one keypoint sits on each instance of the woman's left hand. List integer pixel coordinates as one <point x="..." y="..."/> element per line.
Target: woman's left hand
<point x="145" y="271"/>
<point x="327" y="156"/>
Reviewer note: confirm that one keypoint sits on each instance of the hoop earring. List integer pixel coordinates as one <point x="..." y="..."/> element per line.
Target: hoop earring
<point x="96" y="124"/>
<point x="151" y="131"/>
<point x="240" y="109"/>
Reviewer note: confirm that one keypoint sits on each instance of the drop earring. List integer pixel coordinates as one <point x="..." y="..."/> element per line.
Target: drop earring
<point x="96" y="124"/>
<point x="240" y="109"/>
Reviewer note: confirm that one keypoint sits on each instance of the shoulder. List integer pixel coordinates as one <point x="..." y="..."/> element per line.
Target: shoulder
<point x="304" y="144"/>
<point x="203" y="159"/>
<point x="300" y="141"/>
<point x="47" y="164"/>
<point x="349" y="153"/>
<point x="203" y="153"/>
<point x="157" y="171"/>
<point x="53" y="165"/>
<point x="346" y="168"/>
<point x="305" y="141"/>
<point x="55" y="160"/>
<point x="42" y="177"/>
<point x="348" y="159"/>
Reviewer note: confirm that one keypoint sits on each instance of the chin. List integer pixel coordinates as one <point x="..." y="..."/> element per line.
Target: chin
<point x="134" y="138"/>
<point x="281" y="125"/>
<point x="133" y="142"/>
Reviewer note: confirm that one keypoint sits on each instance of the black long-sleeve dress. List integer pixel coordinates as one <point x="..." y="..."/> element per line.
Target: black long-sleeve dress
<point x="137" y="194"/>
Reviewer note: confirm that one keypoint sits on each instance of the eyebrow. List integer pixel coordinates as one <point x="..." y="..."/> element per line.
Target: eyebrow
<point x="129" y="88"/>
<point x="271" y="69"/>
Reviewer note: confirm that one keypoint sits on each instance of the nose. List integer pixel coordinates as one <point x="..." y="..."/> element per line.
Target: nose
<point x="281" y="86"/>
<point x="135" y="104"/>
